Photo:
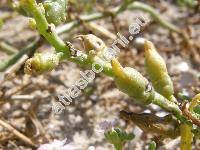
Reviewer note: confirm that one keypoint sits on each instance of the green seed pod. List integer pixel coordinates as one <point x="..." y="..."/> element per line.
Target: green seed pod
<point x="131" y="82"/>
<point x="157" y="71"/>
<point x="55" y="11"/>
<point x="41" y="63"/>
<point x="96" y="49"/>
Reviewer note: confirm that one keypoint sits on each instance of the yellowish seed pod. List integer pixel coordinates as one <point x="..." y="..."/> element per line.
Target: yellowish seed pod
<point x="41" y="63"/>
<point x="157" y="71"/>
<point x="93" y="45"/>
<point x="131" y="82"/>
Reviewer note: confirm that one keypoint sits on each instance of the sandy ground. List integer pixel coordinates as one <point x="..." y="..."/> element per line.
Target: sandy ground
<point x="101" y="100"/>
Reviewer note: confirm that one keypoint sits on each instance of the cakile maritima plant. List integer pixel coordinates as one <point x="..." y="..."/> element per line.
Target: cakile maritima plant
<point x="158" y="90"/>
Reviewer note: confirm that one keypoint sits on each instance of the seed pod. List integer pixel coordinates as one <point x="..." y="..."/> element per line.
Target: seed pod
<point x="131" y="82"/>
<point x="41" y="63"/>
<point x="55" y="11"/>
<point x="157" y="71"/>
<point x="96" y="49"/>
<point x="91" y="42"/>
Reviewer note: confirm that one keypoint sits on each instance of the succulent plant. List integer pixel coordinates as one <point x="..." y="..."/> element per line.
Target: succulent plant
<point x="158" y="90"/>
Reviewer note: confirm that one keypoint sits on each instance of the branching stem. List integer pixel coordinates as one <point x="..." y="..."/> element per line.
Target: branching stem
<point x="82" y="58"/>
<point x="51" y="36"/>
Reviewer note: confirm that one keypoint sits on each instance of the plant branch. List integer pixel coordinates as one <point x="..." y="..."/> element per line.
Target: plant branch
<point x="155" y="15"/>
<point x="4" y="47"/>
<point x="83" y="59"/>
<point x="80" y="57"/>
<point x="169" y="106"/>
<point x="17" y="133"/>
<point x="86" y="18"/>
<point x="13" y="59"/>
<point x="115" y="11"/>
<point x="186" y="137"/>
<point x="45" y="29"/>
<point x="189" y="115"/>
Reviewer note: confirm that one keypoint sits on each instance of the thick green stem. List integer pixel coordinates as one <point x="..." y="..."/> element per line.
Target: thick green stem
<point x="84" y="60"/>
<point x="118" y="147"/>
<point x="45" y="29"/>
<point x="169" y="106"/>
<point x="186" y="137"/>
<point x="81" y="58"/>
<point x="166" y="104"/>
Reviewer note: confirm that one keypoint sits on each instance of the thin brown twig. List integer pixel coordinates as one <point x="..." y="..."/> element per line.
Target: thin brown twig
<point x="38" y="125"/>
<point x="22" y="97"/>
<point x="12" y="143"/>
<point x="14" y="91"/>
<point x="186" y="113"/>
<point x="13" y="69"/>
<point x="17" y="133"/>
